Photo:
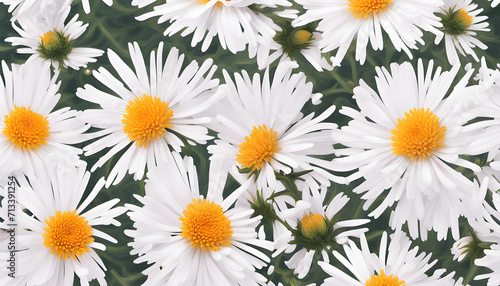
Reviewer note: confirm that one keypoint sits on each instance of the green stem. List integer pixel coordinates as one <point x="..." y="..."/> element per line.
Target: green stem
<point x="285" y="224"/>
<point x="120" y="49"/>
<point x="355" y="78"/>
<point x="342" y="82"/>
<point x="471" y="274"/>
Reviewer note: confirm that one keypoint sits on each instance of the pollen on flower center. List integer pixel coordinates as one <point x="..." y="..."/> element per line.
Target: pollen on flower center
<point x="383" y="280"/>
<point x="367" y="8"/>
<point x="418" y="134"/>
<point x="205" y="226"/>
<point x="145" y="119"/>
<point x="67" y="234"/>
<point x="26" y="129"/>
<point x="257" y="148"/>
<point x="313" y="225"/>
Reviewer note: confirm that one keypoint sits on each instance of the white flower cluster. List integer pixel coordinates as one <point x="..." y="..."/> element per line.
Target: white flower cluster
<point x="245" y="176"/>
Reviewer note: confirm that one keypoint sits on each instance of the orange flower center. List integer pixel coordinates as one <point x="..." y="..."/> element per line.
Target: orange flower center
<point x="205" y="226"/>
<point x="418" y="134"/>
<point x="367" y="8"/>
<point x="145" y="119"/>
<point x="383" y="280"/>
<point x="26" y="129"/>
<point x="67" y="234"/>
<point x="257" y="148"/>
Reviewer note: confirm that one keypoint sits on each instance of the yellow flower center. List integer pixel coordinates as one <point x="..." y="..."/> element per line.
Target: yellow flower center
<point x="26" y="129"/>
<point x="257" y="148"/>
<point x="49" y="38"/>
<point x="383" y="280"/>
<point x="205" y="226"/>
<point x="313" y="225"/>
<point x="418" y="134"/>
<point x="465" y="18"/>
<point x="301" y="37"/>
<point x="68" y="234"/>
<point x="367" y="8"/>
<point x="145" y="119"/>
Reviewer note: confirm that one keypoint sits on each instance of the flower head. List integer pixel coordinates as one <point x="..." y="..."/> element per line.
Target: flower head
<point x="262" y="131"/>
<point x="345" y="21"/>
<point x="461" y="21"/>
<point x="401" y="142"/>
<point x="235" y="22"/>
<point x="49" y="37"/>
<point x="394" y="265"/>
<point x="30" y="127"/>
<point x="56" y="241"/>
<point x="291" y="43"/>
<point x="317" y="227"/>
<point x="191" y="239"/>
<point x="156" y="111"/>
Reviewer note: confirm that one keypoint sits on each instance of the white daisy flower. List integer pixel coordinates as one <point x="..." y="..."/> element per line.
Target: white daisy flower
<point x="494" y="3"/>
<point x="237" y="23"/>
<point x="262" y="130"/>
<point x="86" y="5"/>
<point x="395" y="264"/>
<point x="151" y="114"/>
<point x="343" y="21"/>
<point x="316" y="228"/>
<point x="402" y="140"/>
<point x="30" y="127"/>
<point x="57" y="240"/>
<point x="460" y="22"/>
<point x="46" y="36"/>
<point x="193" y="240"/>
<point x="290" y="43"/>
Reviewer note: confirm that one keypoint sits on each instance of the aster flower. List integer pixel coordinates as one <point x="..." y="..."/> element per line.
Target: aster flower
<point x="291" y="42"/>
<point x="56" y="240"/>
<point x="237" y="23"/>
<point x="262" y="130"/>
<point x="47" y="37"/>
<point x="402" y="141"/>
<point x="30" y="127"/>
<point x="154" y="113"/>
<point x="316" y="228"/>
<point x="460" y="22"/>
<point x="395" y="264"/>
<point x="189" y="239"/>
<point x="343" y="21"/>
